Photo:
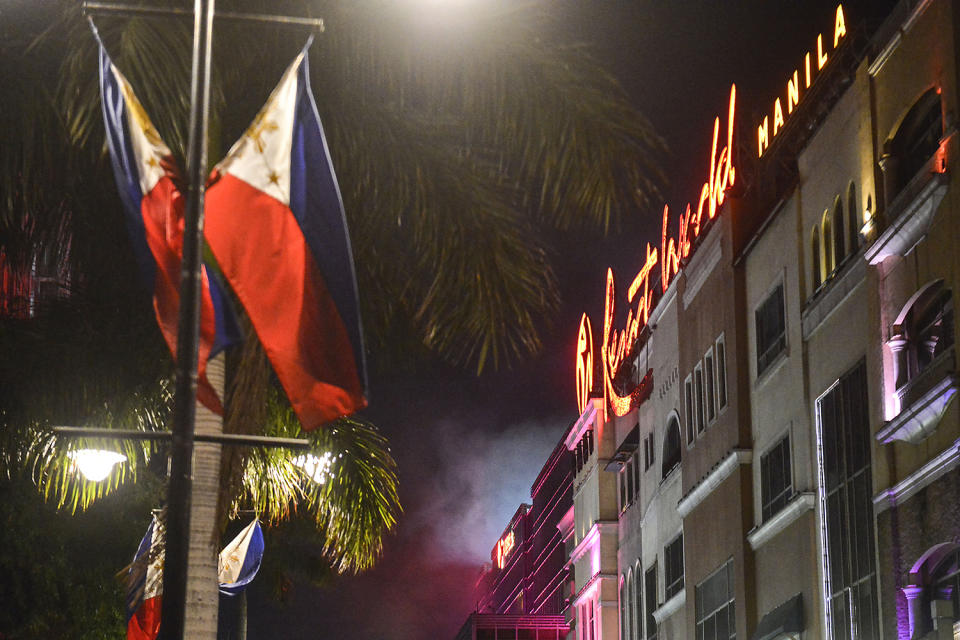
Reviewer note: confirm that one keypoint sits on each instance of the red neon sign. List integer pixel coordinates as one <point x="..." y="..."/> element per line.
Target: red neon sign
<point x="616" y="345"/>
<point x="584" y="363"/>
<point x="503" y="548"/>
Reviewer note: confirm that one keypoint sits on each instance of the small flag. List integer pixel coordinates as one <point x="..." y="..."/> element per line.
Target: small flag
<point x="145" y="585"/>
<point x="240" y="560"/>
<point x="147" y="179"/>
<point x="275" y="223"/>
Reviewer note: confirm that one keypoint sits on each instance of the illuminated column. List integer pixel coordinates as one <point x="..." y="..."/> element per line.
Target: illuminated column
<point x="890" y="166"/>
<point x="915" y="610"/>
<point x="898" y="347"/>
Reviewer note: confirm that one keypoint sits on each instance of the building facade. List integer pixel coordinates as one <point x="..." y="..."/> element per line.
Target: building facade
<point x="769" y="446"/>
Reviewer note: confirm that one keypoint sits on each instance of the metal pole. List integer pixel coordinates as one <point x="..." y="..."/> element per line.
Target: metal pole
<point x="132" y="10"/>
<point x="181" y="462"/>
<point x="226" y="438"/>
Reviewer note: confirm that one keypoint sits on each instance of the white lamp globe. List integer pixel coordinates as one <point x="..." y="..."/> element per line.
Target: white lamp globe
<point x="95" y="464"/>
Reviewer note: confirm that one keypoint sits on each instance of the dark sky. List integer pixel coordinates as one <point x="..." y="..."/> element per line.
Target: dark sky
<point x="469" y="448"/>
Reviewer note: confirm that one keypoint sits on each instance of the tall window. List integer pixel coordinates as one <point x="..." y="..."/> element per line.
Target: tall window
<point x="828" y="257"/>
<point x="721" y="350"/>
<point x="815" y="254"/>
<point x="853" y="218"/>
<point x="698" y="397"/>
<point x="776" y="484"/>
<point x="628" y="626"/>
<point x="839" y="248"/>
<point x="673" y="567"/>
<point x="711" y="386"/>
<point x="648" y="457"/>
<point x="636" y="473"/>
<point x="688" y="409"/>
<point x="637" y="620"/>
<point x="591" y="620"/>
<point x="671" y="447"/>
<point x="844" y="432"/>
<point x="624" y="602"/>
<point x="650" y="590"/>
<point x="715" y="609"/>
<point x="771" y="329"/>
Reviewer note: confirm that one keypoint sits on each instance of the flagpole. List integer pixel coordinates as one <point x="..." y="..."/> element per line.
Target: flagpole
<point x="181" y="454"/>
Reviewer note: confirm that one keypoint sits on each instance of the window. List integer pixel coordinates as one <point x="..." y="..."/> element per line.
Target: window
<point x="698" y="397"/>
<point x="711" y="386"/>
<point x="776" y="484"/>
<point x="584" y="450"/>
<point x="636" y="473"/>
<point x="623" y="487"/>
<point x="591" y="620"/>
<point x="922" y="331"/>
<point x="624" y="602"/>
<point x="721" y="351"/>
<point x="936" y="575"/>
<point x="673" y="568"/>
<point x="853" y="218"/>
<point x="771" y="329"/>
<point x="636" y="619"/>
<point x="815" y="254"/>
<point x="715" y="610"/>
<point x="843" y="431"/>
<point x="671" y="447"/>
<point x="839" y="248"/>
<point x="917" y="139"/>
<point x="648" y="457"/>
<point x="628" y="607"/>
<point x="631" y="489"/>
<point x="828" y="257"/>
<point x="688" y="409"/>
<point x="650" y="587"/>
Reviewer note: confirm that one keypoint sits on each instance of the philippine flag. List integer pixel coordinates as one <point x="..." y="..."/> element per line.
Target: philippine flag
<point x="240" y="560"/>
<point x="275" y="223"/>
<point x="147" y="181"/>
<point x="145" y="585"/>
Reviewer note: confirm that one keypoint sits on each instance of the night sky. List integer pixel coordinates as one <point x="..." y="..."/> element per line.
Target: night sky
<point x="469" y="448"/>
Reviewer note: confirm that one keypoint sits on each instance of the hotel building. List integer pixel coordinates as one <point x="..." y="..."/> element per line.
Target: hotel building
<point x="769" y="447"/>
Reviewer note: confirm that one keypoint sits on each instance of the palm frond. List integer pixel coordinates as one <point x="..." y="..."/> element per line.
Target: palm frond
<point x="354" y="506"/>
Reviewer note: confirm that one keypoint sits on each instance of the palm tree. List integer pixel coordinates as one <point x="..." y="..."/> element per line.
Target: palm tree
<point x="462" y="144"/>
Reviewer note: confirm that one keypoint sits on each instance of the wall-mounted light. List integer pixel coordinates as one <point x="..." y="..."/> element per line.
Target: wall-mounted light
<point x="95" y="464"/>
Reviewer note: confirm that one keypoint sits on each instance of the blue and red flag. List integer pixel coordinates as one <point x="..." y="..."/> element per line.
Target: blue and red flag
<point x="239" y="561"/>
<point x="147" y="180"/>
<point x="276" y="225"/>
<point x="145" y="585"/>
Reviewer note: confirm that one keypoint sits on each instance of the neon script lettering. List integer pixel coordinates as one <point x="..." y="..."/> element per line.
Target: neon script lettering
<point x="764" y="132"/>
<point x="584" y="363"/>
<point x="616" y="345"/>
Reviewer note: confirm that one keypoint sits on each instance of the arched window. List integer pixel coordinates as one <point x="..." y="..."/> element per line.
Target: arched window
<point x="671" y="446"/>
<point x="827" y="245"/>
<point x="917" y="138"/>
<point x="853" y="218"/>
<point x="622" y="592"/>
<point x="815" y="257"/>
<point x="628" y="627"/>
<point x="837" y="223"/>
<point x="935" y="576"/>
<point x="637" y="603"/>
<point x="922" y="331"/>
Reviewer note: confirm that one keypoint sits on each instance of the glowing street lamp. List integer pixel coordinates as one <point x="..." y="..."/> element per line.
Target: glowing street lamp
<point x="95" y="464"/>
<point x="315" y="468"/>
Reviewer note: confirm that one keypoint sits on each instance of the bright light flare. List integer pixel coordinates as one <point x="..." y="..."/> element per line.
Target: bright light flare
<point x="315" y="468"/>
<point x="95" y="464"/>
